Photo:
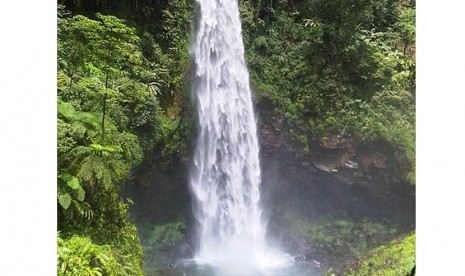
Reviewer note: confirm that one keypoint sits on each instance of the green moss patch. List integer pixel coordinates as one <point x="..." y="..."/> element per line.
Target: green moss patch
<point x="396" y="258"/>
<point x="339" y="233"/>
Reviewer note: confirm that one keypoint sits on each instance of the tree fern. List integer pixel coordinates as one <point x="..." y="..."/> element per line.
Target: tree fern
<point x="66" y="110"/>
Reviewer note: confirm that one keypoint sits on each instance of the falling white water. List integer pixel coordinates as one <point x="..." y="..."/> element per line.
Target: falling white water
<point x="225" y="177"/>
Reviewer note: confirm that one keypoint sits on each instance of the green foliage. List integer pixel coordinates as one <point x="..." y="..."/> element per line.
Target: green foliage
<point x="174" y="40"/>
<point x="78" y="255"/>
<point x="120" y="96"/>
<point x="396" y="258"/>
<point x="337" y="67"/>
<point x="330" y="272"/>
<point x="69" y="184"/>
<point x="405" y="27"/>
<point x="108" y="65"/>
<point x="105" y="60"/>
<point x="165" y="236"/>
<point x="100" y="63"/>
<point x="64" y="200"/>
<point x="352" y="237"/>
<point x="81" y="156"/>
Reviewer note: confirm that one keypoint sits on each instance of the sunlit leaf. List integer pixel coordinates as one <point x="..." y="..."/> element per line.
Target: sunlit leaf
<point x="74" y="183"/>
<point x="64" y="200"/>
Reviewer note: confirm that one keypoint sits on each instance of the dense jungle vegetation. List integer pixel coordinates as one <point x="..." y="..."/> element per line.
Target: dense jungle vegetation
<point x="123" y="75"/>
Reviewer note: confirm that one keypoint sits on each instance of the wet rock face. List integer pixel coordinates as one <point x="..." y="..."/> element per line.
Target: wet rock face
<point x="350" y="159"/>
<point x="272" y="132"/>
<point x="331" y="217"/>
<point x="334" y="142"/>
<point x="343" y="184"/>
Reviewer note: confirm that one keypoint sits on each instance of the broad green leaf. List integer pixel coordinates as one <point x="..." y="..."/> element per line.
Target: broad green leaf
<point x="64" y="176"/>
<point x="80" y="194"/>
<point x="74" y="183"/>
<point x="65" y="200"/>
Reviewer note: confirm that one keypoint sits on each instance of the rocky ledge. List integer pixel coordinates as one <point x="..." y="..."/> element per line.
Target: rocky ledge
<point x="375" y="165"/>
<point x="335" y="198"/>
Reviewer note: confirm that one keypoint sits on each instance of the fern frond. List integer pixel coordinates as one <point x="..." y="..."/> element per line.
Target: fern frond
<point x="89" y="120"/>
<point x="87" y="168"/>
<point x="66" y="110"/>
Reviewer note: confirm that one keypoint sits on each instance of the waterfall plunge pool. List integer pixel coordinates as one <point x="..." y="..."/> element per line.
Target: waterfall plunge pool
<point x="292" y="267"/>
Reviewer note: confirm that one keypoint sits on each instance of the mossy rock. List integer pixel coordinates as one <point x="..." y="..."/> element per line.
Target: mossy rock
<point x="354" y="237"/>
<point x="396" y="258"/>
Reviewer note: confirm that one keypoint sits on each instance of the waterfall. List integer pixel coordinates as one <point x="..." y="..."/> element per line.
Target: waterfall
<point x="225" y="176"/>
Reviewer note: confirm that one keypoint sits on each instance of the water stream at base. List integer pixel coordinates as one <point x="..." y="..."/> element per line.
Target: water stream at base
<point x="225" y="176"/>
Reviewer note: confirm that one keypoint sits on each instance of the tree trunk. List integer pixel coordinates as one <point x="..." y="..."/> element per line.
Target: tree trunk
<point x="104" y="109"/>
